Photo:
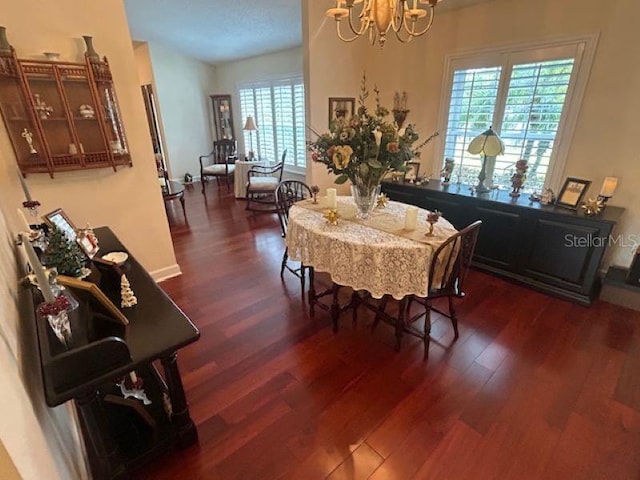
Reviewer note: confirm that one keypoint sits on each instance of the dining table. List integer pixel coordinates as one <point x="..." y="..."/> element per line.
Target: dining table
<point x="375" y="254"/>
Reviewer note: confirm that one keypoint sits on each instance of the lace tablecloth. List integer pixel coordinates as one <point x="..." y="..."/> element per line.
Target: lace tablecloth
<point x="362" y="257"/>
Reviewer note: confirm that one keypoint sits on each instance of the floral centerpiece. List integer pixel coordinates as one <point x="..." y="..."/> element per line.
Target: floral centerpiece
<point x="365" y="148"/>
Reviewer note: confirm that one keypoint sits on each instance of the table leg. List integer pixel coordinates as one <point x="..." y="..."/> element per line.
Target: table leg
<point x="312" y="292"/>
<point x="102" y="450"/>
<point x="335" y="307"/>
<point x="402" y="312"/>
<point x="187" y="433"/>
<point x="182" y="203"/>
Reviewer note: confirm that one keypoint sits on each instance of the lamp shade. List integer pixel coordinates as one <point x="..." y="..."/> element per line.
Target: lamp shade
<point x="249" y="124"/>
<point x="487" y="143"/>
<point x="609" y="187"/>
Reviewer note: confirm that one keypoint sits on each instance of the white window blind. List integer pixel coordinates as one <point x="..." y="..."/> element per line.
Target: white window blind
<point x="533" y="109"/>
<point x="526" y="95"/>
<point x="473" y="100"/>
<point x="280" y="117"/>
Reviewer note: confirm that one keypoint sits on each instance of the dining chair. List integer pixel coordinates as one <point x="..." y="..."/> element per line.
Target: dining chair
<point x="447" y="273"/>
<point x="262" y="182"/>
<point x="220" y="163"/>
<point x="287" y="193"/>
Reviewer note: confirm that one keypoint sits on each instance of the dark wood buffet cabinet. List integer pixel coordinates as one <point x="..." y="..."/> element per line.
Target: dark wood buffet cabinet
<point x="552" y="249"/>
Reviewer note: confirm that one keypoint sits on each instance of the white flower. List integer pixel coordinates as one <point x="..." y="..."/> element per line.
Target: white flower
<point x="402" y="131"/>
<point x="378" y="135"/>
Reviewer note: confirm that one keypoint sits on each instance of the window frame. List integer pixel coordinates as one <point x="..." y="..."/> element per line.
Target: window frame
<point x="291" y="80"/>
<point x="582" y="49"/>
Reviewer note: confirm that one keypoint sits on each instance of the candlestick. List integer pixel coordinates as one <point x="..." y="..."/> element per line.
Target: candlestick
<point x="411" y="218"/>
<point x="36" y="266"/>
<point x="25" y="189"/>
<point x="134" y="378"/>
<point x="23" y="219"/>
<point x="609" y="187"/>
<point x="332" y="200"/>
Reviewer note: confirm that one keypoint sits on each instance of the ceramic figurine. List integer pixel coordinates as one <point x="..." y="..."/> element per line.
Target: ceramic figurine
<point x="447" y="171"/>
<point x="518" y="178"/>
<point x="86" y="111"/>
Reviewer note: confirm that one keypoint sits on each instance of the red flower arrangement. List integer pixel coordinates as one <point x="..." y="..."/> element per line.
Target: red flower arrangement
<point x="31" y="204"/>
<point x="60" y="304"/>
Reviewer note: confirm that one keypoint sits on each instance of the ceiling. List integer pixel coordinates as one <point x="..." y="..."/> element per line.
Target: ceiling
<point x="217" y="31"/>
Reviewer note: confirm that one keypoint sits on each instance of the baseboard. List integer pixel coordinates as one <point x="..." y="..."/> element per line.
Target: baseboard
<point x="166" y="273"/>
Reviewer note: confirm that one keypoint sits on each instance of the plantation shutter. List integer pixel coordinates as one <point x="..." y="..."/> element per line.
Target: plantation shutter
<point x="533" y="110"/>
<point x="473" y="99"/>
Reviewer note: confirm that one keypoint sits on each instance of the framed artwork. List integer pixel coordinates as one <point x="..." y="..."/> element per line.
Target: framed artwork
<point x="92" y="292"/>
<point x="223" y="117"/>
<point x="413" y="169"/>
<point x="59" y="219"/>
<point x="572" y="192"/>
<point x="341" y="108"/>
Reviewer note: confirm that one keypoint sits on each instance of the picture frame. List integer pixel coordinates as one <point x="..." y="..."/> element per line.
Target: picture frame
<point x="341" y="108"/>
<point x="91" y="291"/>
<point x="572" y="192"/>
<point x="413" y="169"/>
<point x="58" y="218"/>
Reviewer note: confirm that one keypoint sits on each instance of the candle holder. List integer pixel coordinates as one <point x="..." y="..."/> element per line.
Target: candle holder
<point x="57" y="315"/>
<point x="432" y="219"/>
<point x="31" y="206"/>
<point x="314" y="191"/>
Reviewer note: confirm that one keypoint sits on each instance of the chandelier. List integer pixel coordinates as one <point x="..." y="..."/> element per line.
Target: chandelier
<point x="377" y="17"/>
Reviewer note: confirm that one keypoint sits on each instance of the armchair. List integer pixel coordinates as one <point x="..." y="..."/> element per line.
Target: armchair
<point x="220" y="163"/>
<point x="262" y="183"/>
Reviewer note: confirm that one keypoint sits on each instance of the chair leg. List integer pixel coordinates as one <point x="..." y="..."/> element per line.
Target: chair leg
<point x="402" y="311"/>
<point x="202" y="182"/>
<point x="427" y="329"/>
<point x="454" y="318"/>
<point x="302" y="277"/>
<point x="355" y="303"/>
<point x="381" y="308"/>
<point x="285" y="257"/>
<point x="335" y="307"/>
<point x="312" y="292"/>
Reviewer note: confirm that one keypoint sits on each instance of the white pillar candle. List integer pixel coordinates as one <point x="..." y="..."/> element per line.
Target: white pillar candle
<point x="411" y="218"/>
<point x="25" y="224"/>
<point x="332" y="199"/>
<point x="609" y="187"/>
<point x="38" y="269"/>
<point x="24" y="186"/>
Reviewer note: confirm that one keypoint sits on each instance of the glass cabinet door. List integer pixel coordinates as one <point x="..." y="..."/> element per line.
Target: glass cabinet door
<point x="51" y="112"/>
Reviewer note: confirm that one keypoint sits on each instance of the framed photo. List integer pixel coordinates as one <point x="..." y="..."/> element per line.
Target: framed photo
<point x="572" y="192"/>
<point x="92" y="292"/>
<point x="59" y="219"/>
<point x="341" y="108"/>
<point x="413" y="169"/>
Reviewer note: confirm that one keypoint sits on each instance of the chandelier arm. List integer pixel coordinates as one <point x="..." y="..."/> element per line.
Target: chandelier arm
<point x="364" y="22"/>
<point x="413" y="33"/>
<point x="343" y="38"/>
<point x="397" y="24"/>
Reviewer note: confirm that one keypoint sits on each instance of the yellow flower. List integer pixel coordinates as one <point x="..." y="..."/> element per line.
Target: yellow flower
<point x="342" y="156"/>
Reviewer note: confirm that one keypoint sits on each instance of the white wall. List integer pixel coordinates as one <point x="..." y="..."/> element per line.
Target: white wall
<point x="265" y="67"/>
<point x="604" y="143"/>
<point x="183" y="86"/>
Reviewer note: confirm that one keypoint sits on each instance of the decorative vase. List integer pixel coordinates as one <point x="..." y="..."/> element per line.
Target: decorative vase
<point x="4" y="43"/>
<point x="91" y="53"/>
<point x="365" y="198"/>
<point x="60" y="325"/>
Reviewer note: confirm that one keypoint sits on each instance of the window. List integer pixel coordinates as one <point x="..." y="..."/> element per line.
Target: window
<point x="528" y="95"/>
<point x="278" y="110"/>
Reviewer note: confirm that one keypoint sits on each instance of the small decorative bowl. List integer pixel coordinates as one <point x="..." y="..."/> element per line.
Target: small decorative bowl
<point x="116" y="257"/>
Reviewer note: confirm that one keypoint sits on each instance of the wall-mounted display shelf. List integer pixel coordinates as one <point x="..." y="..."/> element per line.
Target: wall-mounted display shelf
<point x="61" y="115"/>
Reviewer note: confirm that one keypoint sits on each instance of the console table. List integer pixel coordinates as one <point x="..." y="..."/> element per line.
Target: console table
<point x="119" y="438"/>
<point x="552" y="249"/>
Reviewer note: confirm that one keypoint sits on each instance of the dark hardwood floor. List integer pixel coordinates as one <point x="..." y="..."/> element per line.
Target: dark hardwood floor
<point x="534" y="388"/>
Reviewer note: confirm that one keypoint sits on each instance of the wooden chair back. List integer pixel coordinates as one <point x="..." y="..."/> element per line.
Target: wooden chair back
<point x="288" y="193"/>
<point x="224" y="151"/>
<point x="453" y="258"/>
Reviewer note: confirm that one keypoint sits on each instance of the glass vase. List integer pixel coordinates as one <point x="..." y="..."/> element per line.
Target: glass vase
<point x="60" y="325"/>
<point x="365" y="197"/>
